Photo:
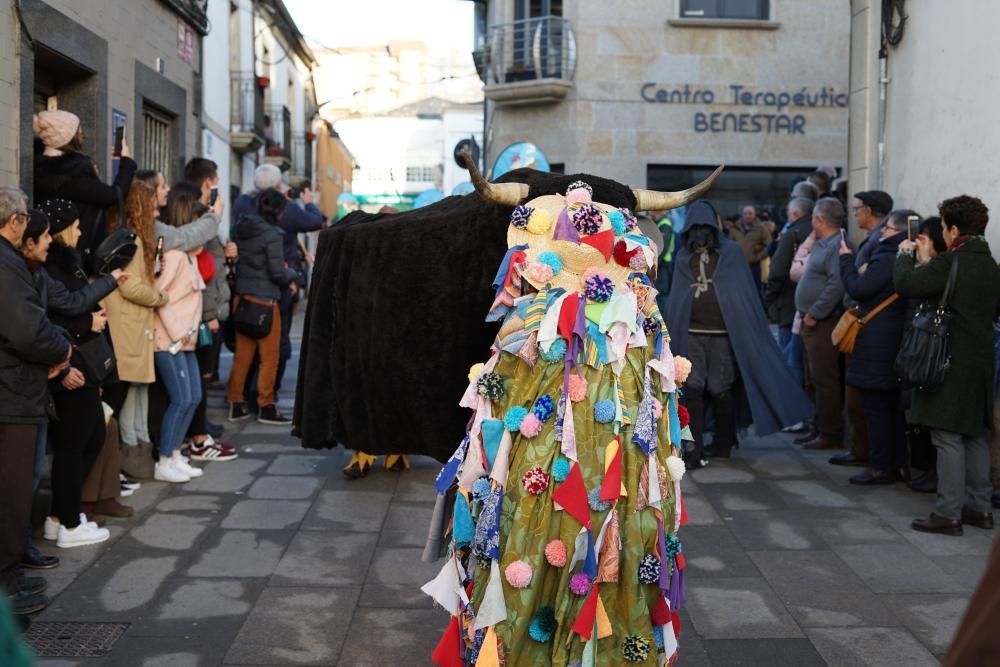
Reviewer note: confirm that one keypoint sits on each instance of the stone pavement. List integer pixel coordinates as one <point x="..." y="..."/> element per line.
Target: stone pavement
<point x="277" y="559"/>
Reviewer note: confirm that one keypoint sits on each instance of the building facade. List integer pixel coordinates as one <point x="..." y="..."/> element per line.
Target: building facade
<point x="656" y="94"/>
<point x="931" y="138"/>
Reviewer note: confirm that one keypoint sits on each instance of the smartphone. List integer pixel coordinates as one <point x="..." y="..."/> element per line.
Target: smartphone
<point x="119" y="139"/>
<point x="910" y="220"/>
<point x="214" y="195"/>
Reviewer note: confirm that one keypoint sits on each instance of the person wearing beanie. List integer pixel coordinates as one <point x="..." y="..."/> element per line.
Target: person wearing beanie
<point x="62" y="171"/>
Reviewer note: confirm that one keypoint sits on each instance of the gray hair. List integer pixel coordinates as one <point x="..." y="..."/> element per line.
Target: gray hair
<point x="831" y="210"/>
<point x="266" y="176"/>
<point x="806" y="190"/>
<point x="803" y="205"/>
<point x="12" y="201"/>
<point x="901" y="220"/>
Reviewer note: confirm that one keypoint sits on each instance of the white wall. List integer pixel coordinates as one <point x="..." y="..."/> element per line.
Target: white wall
<point x="458" y="125"/>
<point x="216" y="80"/>
<point x="384" y="143"/>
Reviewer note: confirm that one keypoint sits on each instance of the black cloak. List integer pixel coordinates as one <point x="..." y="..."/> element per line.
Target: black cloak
<point x="774" y="396"/>
<point x="396" y="317"/>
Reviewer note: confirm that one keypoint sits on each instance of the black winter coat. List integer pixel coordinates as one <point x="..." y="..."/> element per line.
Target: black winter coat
<point x="872" y="365"/>
<point x="64" y="267"/>
<point x="780" y="294"/>
<point x="73" y="176"/>
<point x="29" y="343"/>
<point x="260" y="270"/>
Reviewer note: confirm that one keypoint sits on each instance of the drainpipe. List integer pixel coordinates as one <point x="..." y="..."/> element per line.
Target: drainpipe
<point x="883" y="84"/>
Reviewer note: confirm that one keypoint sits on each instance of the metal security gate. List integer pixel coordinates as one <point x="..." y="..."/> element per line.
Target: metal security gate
<point x="157" y="142"/>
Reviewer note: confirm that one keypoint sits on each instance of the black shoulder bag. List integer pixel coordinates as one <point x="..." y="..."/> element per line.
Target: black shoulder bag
<point x="925" y="353"/>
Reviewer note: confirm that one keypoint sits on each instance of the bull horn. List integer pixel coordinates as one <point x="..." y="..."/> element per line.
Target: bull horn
<point x="652" y="200"/>
<point x="506" y="194"/>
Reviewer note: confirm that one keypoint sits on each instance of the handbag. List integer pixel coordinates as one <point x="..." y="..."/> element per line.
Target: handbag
<point x="845" y="334"/>
<point x="115" y="251"/>
<point x="253" y="318"/>
<point x="97" y="359"/>
<point x="925" y="353"/>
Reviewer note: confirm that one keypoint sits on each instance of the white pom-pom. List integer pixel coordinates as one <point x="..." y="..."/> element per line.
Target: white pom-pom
<point x="675" y="468"/>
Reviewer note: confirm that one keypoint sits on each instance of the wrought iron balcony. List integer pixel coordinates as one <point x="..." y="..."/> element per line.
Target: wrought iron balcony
<point x="278" y="145"/>
<point x="194" y="12"/>
<point x="248" y="128"/>
<point x="302" y="150"/>
<point x="528" y="61"/>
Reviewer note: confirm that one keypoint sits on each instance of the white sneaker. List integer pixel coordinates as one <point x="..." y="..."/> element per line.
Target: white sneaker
<point x="50" y="530"/>
<point x="181" y="462"/>
<point x="82" y="535"/>
<point x="167" y="470"/>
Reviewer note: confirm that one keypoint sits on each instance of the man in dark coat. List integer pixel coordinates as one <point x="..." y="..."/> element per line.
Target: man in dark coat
<point x="714" y="318"/>
<point x="30" y="345"/>
<point x="959" y="413"/>
<point x="780" y="295"/>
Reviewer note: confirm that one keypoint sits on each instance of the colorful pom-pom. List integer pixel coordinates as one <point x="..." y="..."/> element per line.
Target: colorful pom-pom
<point x="631" y="222"/>
<point x="512" y="420"/>
<point x="595" y="502"/>
<point x="650" y="326"/>
<point x="561" y="468"/>
<point x="617" y="222"/>
<point x="552" y="259"/>
<point x="491" y="386"/>
<point x="540" y="222"/>
<point x="579" y="584"/>
<point x="598" y="288"/>
<point x="649" y="569"/>
<point x="531" y="425"/>
<point x="535" y="481"/>
<point x="676" y="468"/>
<point x="673" y="546"/>
<point x="543" y="625"/>
<point x="555" y="553"/>
<point x="635" y="648"/>
<point x="682" y="369"/>
<point x="481" y="489"/>
<point x="604" y="410"/>
<point x="475" y="370"/>
<point x="658" y="636"/>
<point x="519" y="218"/>
<point x="518" y="574"/>
<point x="637" y="262"/>
<point x="539" y="273"/>
<point x="580" y="185"/>
<point x="588" y="219"/>
<point x="544" y="407"/>
<point x="683" y="415"/>
<point x="577" y="388"/>
<point x="557" y="350"/>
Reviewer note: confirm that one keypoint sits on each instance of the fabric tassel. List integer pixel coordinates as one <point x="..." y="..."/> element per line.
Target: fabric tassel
<point x="579" y="549"/>
<point x="529" y="350"/>
<point x="487" y="539"/>
<point x="462" y="527"/>
<point x="604" y="628"/>
<point x="448" y="652"/>
<point x="572" y="495"/>
<point x="642" y="501"/>
<point x="644" y="430"/>
<point x="675" y="421"/>
<point x="608" y="564"/>
<point x="489" y="652"/>
<point x="473" y="467"/>
<point x="569" y="433"/>
<point x="449" y="472"/>
<point x="611" y="486"/>
<point x="675" y="591"/>
<point x="669" y="641"/>
<point x="661" y="543"/>
<point x="584" y="624"/>
<point x="655" y="488"/>
<point x="590" y="562"/>
<point x="493" y="430"/>
<point x="502" y="464"/>
<point x="446" y="588"/>
<point x="683" y="515"/>
<point x="565" y="231"/>
<point x="560" y="415"/>
<point x="492" y="609"/>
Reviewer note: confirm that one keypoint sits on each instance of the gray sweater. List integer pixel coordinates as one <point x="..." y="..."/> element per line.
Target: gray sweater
<point x="190" y="236"/>
<point x="820" y="291"/>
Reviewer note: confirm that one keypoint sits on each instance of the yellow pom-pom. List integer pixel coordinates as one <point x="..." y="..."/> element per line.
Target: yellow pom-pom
<point x="540" y="222"/>
<point x="475" y="371"/>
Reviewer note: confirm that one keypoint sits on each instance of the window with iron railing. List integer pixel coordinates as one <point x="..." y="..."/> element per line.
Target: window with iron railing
<point x="759" y="10"/>
<point x="247" y="104"/>
<point x="420" y="174"/>
<point x="158" y="142"/>
<point x="280" y="131"/>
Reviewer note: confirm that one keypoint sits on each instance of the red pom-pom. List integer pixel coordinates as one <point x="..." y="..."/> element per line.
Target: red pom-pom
<point x="683" y="415"/>
<point x="535" y="481"/>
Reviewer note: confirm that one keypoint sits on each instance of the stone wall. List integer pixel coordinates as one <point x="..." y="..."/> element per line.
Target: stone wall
<point x="9" y="84"/>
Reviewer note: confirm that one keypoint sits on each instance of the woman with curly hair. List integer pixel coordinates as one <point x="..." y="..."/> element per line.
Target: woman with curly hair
<point x="130" y="318"/>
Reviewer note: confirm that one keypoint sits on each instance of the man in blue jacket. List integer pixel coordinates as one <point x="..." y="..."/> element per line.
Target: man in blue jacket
<point x="31" y="349"/>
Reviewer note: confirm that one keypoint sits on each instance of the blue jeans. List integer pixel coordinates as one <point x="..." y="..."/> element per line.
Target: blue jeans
<point x="182" y="380"/>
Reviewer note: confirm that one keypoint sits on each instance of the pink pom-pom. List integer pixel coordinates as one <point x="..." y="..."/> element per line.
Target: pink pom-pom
<point x="535" y="481"/>
<point x="637" y="262"/>
<point x="577" y="388"/>
<point x="578" y="196"/>
<point x="555" y="553"/>
<point x="657" y="408"/>
<point x="682" y="368"/>
<point x="579" y="584"/>
<point x="539" y="272"/>
<point x="531" y="425"/>
<point x="518" y="574"/>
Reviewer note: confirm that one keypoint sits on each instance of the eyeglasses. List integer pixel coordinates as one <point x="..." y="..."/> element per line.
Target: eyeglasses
<point x="24" y="217"/>
<point x="858" y="208"/>
<point x="890" y="228"/>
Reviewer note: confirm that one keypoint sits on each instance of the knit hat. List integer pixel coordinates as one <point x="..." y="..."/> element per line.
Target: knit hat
<point x="62" y="213"/>
<point x="55" y="128"/>
<point x="879" y="202"/>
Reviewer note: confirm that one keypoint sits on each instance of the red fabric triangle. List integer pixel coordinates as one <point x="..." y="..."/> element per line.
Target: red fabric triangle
<point x="447" y="653"/>
<point x="684" y="512"/>
<point x="603" y="241"/>
<point x="611" y="487"/>
<point x="567" y="316"/>
<point x="516" y="258"/>
<point x="675" y="620"/>
<point x="661" y="613"/>
<point x="572" y="496"/>
<point x="584" y="623"/>
<point x="681" y="563"/>
<point x="622" y="255"/>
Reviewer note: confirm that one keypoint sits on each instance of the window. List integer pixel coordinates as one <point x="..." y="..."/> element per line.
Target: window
<point x="157" y="142"/>
<point x="420" y="174"/>
<point x="726" y="9"/>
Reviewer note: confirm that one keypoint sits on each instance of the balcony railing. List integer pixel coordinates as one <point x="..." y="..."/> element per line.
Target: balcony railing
<point x="279" y="131"/>
<point x="302" y="156"/>
<point x="528" y="61"/>
<point x="248" y="127"/>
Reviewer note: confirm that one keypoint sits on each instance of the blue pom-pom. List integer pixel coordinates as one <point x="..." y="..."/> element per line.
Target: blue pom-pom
<point x="649" y="569"/>
<point x="481" y="489"/>
<point x="512" y="420"/>
<point x="673" y="546"/>
<point x="604" y="410"/>
<point x="553" y="260"/>
<point x="617" y="222"/>
<point x="519" y="218"/>
<point x="658" y="636"/>
<point x="543" y="625"/>
<point x="561" y="468"/>
<point x="544" y="407"/>
<point x="595" y="502"/>
<point x="557" y="350"/>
